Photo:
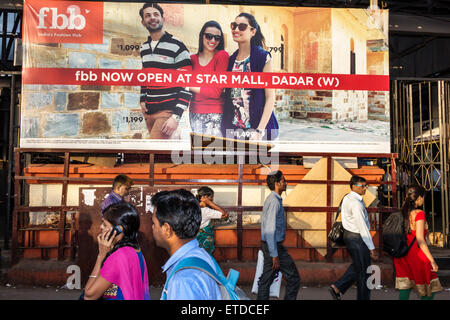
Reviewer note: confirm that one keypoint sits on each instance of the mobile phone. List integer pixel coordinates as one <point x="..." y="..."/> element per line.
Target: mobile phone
<point x="118" y="230"/>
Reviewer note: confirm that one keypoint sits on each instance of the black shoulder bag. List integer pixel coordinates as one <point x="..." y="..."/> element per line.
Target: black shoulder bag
<point x="336" y="234"/>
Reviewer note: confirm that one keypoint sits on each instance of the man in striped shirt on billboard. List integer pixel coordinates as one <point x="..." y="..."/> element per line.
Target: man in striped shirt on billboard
<point x="162" y="106"/>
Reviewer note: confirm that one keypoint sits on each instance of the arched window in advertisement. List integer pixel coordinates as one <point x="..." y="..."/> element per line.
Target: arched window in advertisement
<point x="352" y="57"/>
<point x="284" y="48"/>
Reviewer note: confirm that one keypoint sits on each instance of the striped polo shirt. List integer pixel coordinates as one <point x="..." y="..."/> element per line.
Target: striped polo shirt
<point x="169" y="53"/>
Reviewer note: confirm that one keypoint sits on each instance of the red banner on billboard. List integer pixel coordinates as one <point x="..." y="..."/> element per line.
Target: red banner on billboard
<point x="173" y="78"/>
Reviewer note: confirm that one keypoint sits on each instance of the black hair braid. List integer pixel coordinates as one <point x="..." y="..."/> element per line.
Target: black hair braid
<point x="409" y="204"/>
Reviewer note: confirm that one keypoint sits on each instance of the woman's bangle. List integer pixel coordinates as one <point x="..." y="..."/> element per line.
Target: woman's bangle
<point x="260" y="131"/>
<point x="92" y="276"/>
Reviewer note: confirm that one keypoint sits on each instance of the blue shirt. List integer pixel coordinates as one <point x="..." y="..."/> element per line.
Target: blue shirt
<point x="112" y="198"/>
<point x="273" y="222"/>
<point x="191" y="284"/>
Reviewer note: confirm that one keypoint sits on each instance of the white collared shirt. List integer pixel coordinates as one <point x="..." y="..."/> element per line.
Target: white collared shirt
<point x="355" y="218"/>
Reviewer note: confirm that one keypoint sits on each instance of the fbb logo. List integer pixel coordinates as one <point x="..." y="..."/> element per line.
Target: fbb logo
<point x="60" y="20"/>
<point x="63" y="21"/>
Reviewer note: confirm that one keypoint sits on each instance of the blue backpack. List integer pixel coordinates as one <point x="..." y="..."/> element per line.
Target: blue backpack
<point x="227" y="285"/>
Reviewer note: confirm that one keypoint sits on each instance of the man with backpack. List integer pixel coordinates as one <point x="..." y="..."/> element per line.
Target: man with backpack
<point x="176" y="221"/>
<point x="358" y="240"/>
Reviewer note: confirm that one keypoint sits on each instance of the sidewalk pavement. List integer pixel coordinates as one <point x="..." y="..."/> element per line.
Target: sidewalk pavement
<point x="21" y="292"/>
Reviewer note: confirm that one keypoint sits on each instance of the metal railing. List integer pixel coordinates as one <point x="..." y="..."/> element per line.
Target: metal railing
<point x="421" y="124"/>
<point x="21" y="207"/>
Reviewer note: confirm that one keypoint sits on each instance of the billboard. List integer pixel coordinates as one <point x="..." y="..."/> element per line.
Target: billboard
<point x="98" y="75"/>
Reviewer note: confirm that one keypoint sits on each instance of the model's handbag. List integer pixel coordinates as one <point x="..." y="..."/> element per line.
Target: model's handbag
<point x="336" y="234"/>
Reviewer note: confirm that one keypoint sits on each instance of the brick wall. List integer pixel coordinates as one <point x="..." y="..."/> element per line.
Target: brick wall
<point x="378" y="105"/>
<point x="83" y="111"/>
<point x="303" y="104"/>
<point x="317" y="105"/>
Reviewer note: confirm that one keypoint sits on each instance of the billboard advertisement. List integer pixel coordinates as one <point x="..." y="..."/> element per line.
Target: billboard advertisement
<point x="130" y="76"/>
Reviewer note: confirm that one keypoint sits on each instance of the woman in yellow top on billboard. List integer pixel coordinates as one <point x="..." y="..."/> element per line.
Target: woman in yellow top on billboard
<point x="205" y="111"/>
<point x="248" y="113"/>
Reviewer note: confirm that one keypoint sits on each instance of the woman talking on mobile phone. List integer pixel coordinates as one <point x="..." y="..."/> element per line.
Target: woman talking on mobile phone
<point x="120" y="272"/>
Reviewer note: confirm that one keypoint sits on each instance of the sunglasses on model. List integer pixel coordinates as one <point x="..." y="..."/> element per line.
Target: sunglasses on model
<point x="210" y="36"/>
<point x="241" y="26"/>
<point x="362" y="185"/>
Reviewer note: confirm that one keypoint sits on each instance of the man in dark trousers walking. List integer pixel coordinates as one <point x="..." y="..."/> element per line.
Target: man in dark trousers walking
<point x="273" y="231"/>
<point x="358" y="240"/>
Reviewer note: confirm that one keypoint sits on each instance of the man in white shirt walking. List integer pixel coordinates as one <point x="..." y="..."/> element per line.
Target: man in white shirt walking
<point x="358" y="240"/>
